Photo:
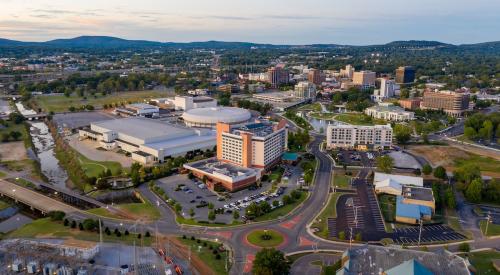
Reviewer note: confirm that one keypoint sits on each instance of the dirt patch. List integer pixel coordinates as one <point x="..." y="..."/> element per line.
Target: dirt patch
<point x="439" y="155"/>
<point x="476" y="150"/>
<point x="12" y="151"/>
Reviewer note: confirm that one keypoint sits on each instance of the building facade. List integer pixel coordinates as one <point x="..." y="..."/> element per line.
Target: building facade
<point x="359" y="137"/>
<point x="348" y="72"/>
<point x="388" y="89"/>
<point x="364" y="79"/>
<point x="405" y="75"/>
<point x="255" y="145"/>
<point x="277" y="75"/>
<point x="452" y="103"/>
<point x="305" y="89"/>
<point x="315" y="76"/>
<point x="410" y="103"/>
<point x="390" y="112"/>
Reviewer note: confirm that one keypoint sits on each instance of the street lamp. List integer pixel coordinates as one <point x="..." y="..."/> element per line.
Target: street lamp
<point x="488" y="220"/>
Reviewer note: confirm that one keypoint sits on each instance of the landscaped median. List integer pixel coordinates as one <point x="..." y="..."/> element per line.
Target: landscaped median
<point x="330" y="211"/>
<point x="265" y="238"/>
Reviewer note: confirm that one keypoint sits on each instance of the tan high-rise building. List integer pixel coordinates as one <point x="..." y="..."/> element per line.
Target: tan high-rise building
<point x="347" y="72"/>
<point x="452" y="103"/>
<point x="256" y="145"/>
<point x="364" y="79"/>
<point x="315" y="76"/>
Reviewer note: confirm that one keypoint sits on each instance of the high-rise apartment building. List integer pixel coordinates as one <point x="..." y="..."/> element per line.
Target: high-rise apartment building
<point x="405" y="75"/>
<point x="315" y="76"/>
<point x="277" y="75"/>
<point x="359" y="137"/>
<point x="364" y="79"/>
<point x="452" y="103"/>
<point x="258" y="145"/>
<point x="304" y="89"/>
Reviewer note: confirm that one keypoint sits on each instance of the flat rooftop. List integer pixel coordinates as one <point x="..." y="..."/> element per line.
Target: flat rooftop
<point x="213" y="165"/>
<point x="257" y="129"/>
<point x="374" y="259"/>
<point x="143" y="128"/>
<point x="416" y="193"/>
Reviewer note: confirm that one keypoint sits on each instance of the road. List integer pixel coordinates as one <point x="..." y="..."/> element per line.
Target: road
<point x="293" y="226"/>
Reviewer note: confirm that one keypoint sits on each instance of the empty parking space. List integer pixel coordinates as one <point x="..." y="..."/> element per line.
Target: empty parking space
<point x="430" y="234"/>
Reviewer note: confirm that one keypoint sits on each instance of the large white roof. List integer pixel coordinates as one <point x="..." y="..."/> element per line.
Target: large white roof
<point x="212" y="115"/>
<point x="401" y="179"/>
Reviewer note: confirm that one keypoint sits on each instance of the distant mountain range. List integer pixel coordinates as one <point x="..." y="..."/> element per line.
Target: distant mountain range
<point x="109" y="42"/>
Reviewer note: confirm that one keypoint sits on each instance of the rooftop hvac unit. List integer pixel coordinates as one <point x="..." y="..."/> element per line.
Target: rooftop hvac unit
<point x="49" y="269"/>
<point x="32" y="267"/>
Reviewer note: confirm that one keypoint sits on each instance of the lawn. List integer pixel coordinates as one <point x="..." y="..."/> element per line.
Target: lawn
<point x="358" y="119"/>
<point x="493" y="229"/>
<point x="61" y="103"/>
<point x="482" y="261"/>
<point x="104" y="213"/>
<point x="311" y="107"/>
<point x="256" y="237"/>
<point x="188" y="221"/>
<point x="46" y="228"/>
<point x="388" y="207"/>
<point x="282" y="211"/>
<point x="330" y="211"/>
<point x="2" y="174"/>
<point x="484" y="163"/>
<point x="94" y="168"/>
<point x="319" y="115"/>
<point x="342" y="181"/>
<point x="206" y="255"/>
<point x="145" y="210"/>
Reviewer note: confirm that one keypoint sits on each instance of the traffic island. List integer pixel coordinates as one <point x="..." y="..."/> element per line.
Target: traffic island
<point x="265" y="238"/>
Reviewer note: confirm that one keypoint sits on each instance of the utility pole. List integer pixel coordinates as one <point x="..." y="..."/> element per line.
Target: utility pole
<point x="350" y="239"/>
<point x="420" y="231"/>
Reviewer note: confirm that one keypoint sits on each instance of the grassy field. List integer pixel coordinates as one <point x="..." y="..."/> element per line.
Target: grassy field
<point x="388" y="207"/>
<point x="358" y="119"/>
<point x="493" y="229"/>
<point x="330" y="211"/>
<point x="144" y="210"/>
<point x="93" y="168"/>
<point x="311" y="107"/>
<point x="256" y="238"/>
<point x="482" y="261"/>
<point x="45" y="228"/>
<point x="319" y="115"/>
<point x="61" y="103"/>
<point x="104" y="213"/>
<point x="484" y="163"/>
<point x="341" y="181"/>
<point x="282" y="211"/>
<point x="206" y="255"/>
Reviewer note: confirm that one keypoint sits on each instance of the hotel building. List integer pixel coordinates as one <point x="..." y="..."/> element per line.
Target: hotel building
<point x="359" y="137"/>
<point x="243" y="154"/>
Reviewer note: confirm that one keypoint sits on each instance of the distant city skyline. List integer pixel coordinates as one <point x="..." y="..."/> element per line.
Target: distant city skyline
<point x="353" y="22"/>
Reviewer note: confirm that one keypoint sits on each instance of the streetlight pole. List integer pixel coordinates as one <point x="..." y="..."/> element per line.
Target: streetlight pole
<point x="420" y="231"/>
<point x="488" y="219"/>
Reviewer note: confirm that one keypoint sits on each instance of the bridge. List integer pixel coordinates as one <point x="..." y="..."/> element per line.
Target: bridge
<point x="32" y="199"/>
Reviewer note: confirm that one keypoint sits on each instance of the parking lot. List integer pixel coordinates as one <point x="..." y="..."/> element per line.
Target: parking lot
<point x="356" y="158"/>
<point x="430" y="234"/>
<point x="192" y="194"/>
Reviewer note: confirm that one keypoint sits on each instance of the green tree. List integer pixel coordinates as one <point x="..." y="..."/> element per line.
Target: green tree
<point x="253" y="210"/>
<point x="473" y="191"/>
<point x="440" y="172"/>
<point x="470" y="133"/>
<point x="384" y="163"/>
<point x="191" y="212"/>
<point x="269" y="261"/>
<point x="402" y="133"/>
<point x="467" y="173"/>
<point x="236" y="215"/>
<point x="427" y="169"/>
<point x="211" y="215"/>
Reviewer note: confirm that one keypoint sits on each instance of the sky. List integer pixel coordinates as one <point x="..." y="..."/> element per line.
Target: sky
<point x="353" y="22"/>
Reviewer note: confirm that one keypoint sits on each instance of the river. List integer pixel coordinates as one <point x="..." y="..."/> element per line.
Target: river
<point x="44" y="147"/>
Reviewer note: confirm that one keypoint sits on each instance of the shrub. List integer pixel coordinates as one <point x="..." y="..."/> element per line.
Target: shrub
<point x="66" y="222"/>
<point x="126" y="233"/>
<point x="148" y="234"/>
<point x="218" y="257"/>
<point x="184" y="237"/>
<point x="73" y="224"/>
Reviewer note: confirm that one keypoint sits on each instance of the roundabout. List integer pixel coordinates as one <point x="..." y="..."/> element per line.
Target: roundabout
<point x="265" y="238"/>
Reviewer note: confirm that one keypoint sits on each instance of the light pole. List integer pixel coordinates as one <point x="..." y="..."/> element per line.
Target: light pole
<point x="488" y="220"/>
<point x="420" y="231"/>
